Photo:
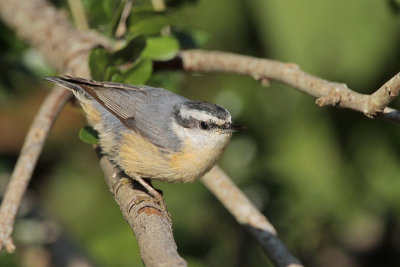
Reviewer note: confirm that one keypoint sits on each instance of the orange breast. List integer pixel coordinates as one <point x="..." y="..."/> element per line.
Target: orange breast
<point x="138" y="155"/>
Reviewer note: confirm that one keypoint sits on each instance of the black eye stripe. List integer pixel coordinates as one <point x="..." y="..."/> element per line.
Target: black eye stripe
<point x="190" y="122"/>
<point x="206" y="125"/>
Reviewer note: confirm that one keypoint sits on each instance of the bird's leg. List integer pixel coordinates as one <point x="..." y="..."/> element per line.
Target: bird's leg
<point x="157" y="195"/>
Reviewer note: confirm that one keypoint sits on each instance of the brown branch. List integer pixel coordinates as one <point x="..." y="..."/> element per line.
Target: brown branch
<point x="247" y="215"/>
<point x="384" y="95"/>
<point x="48" y="30"/>
<point x="78" y="14"/>
<point x="326" y="92"/>
<point x="67" y="50"/>
<point x="152" y="226"/>
<point x="23" y="170"/>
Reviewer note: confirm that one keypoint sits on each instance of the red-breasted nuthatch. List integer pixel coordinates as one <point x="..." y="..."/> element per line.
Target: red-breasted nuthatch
<point x="152" y="132"/>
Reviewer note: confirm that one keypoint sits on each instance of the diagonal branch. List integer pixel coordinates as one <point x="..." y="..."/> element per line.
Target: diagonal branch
<point x="247" y="215"/>
<point x="23" y="170"/>
<point x="152" y="226"/>
<point x="78" y="14"/>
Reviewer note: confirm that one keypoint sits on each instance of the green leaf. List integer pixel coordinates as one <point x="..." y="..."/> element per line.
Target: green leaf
<point x="89" y="135"/>
<point x="116" y="17"/>
<point x="110" y="71"/>
<point x="130" y="52"/>
<point x="160" y="48"/>
<point x="139" y="73"/>
<point x="148" y="22"/>
<point x="118" y="78"/>
<point x="99" y="13"/>
<point x="98" y="61"/>
<point x="109" y="7"/>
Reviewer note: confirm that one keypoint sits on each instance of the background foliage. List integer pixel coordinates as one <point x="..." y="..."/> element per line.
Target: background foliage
<point x="328" y="179"/>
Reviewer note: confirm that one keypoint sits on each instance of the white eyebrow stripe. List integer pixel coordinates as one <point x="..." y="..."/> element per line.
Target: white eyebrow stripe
<point x="201" y="116"/>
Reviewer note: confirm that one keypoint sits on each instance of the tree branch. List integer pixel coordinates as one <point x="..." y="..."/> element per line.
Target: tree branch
<point x="151" y="225"/>
<point x="78" y="14"/>
<point x="384" y="95"/>
<point x="247" y="215"/>
<point x="48" y="30"/>
<point x="23" y="170"/>
<point x="326" y="92"/>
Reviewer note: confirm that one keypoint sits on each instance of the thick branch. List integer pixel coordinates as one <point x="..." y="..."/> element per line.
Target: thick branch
<point x="326" y="92"/>
<point x="48" y="30"/>
<point x="152" y="226"/>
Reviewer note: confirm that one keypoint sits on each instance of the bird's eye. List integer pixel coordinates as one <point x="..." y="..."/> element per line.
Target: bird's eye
<point x="204" y="125"/>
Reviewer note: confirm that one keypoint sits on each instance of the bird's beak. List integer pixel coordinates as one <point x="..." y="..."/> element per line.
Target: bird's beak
<point x="231" y="128"/>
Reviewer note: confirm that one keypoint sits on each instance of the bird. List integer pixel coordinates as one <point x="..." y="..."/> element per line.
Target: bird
<point x="153" y="133"/>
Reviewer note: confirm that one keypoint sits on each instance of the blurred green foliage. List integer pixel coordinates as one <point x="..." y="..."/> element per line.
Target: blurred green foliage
<point x="328" y="179"/>
<point x="89" y="135"/>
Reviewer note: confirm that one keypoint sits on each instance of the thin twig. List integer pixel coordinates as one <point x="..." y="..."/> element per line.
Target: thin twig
<point x="78" y="14"/>
<point x="121" y="29"/>
<point x="247" y="215"/>
<point x="326" y="92"/>
<point x="30" y="152"/>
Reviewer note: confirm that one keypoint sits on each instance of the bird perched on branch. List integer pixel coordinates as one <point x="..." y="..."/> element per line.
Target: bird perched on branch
<point x="151" y="132"/>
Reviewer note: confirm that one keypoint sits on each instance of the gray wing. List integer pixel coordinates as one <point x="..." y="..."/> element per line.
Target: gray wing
<point x="144" y="109"/>
<point x="153" y="117"/>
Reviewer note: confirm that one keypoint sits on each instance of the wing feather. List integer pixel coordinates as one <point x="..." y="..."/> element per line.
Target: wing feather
<point x="140" y="108"/>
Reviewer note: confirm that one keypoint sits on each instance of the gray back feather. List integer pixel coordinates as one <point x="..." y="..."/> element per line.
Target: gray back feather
<point x="146" y="110"/>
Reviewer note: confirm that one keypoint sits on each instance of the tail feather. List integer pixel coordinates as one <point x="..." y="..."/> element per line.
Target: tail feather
<point x="66" y="82"/>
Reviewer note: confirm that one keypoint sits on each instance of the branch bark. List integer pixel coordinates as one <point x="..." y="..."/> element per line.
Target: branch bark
<point x="326" y="92"/>
<point x="248" y="216"/>
<point x="152" y="226"/>
<point x="23" y="170"/>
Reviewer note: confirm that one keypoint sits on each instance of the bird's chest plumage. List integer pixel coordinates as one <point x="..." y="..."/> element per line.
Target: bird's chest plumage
<point x="137" y="155"/>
